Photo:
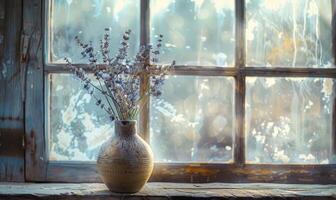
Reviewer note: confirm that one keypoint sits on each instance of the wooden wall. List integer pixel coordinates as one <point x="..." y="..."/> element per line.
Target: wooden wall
<point x="11" y="93"/>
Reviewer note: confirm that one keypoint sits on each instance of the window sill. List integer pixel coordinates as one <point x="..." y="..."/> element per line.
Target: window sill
<point x="32" y="191"/>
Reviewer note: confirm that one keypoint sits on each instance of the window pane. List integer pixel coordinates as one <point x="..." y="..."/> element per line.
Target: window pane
<point x="289" y="33"/>
<point x="196" y="32"/>
<point x="77" y="127"/>
<point x="289" y="120"/>
<point x="88" y="20"/>
<point x="193" y="120"/>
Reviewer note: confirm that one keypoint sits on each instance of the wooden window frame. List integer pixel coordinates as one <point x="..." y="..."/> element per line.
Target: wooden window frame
<point x="38" y="168"/>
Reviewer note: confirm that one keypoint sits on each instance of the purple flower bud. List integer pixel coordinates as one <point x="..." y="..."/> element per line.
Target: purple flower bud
<point x="118" y="80"/>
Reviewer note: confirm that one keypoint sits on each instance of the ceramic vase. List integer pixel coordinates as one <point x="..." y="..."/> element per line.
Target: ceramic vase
<point x="125" y="161"/>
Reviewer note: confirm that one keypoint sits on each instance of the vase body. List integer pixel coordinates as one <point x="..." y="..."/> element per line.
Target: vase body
<point x="125" y="161"/>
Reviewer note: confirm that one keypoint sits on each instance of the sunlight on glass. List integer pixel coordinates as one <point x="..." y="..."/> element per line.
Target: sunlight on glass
<point x="193" y="121"/>
<point x="77" y="127"/>
<point x="289" y="120"/>
<point x="88" y="20"/>
<point x="283" y="33"/>
<point x="197" y="32"/>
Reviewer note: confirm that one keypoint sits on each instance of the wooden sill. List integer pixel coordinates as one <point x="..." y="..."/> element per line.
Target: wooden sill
<point x="95" y="191"/>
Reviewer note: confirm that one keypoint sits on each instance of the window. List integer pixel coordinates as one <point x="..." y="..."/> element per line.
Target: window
<point x="251" y="100"/>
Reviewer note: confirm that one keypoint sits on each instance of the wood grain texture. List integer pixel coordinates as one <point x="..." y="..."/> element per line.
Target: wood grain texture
<point x="333" y="127"/>
<point x="276" y="71"/>
<point x="255" y="173"/>
<point x="240" y="33"/>
<point x="168" y="191"/>
<point x="11" y="96"/>
<point x="333" y="27"/>
<point x="239" y="138"/>
<point x="240" y="85"/>
<point x="144" y="79"/>
<point x="333" y="137"/>
<point x="72" y="172"/>
<point x="35" y="155"/>
<point x="2" y="27"/>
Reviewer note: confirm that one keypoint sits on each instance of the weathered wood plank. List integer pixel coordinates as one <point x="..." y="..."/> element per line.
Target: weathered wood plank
<point x="333" y="127"/>
<point x="72" y="172"/>
<point x="204" y="173"/>
<point x="11" y="98"/>
<point x="229" y="71"/>
<point x="239" y="138"/>
<point x="261" y="173"/>
<point x="290" y="72"/>
<point x="36" y="158"/>
<point x="144" y="79"/>
<point x="2" y="27"/>
<point x="169" y="191"/>
<point x="333" y="27"/>
<point x="240" y="33"/>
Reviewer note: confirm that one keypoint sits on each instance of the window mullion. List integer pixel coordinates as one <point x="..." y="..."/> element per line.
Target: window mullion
<point x="144" y="79"/>
<point x="239" y="138"/>
<point x="290" y="72"/>
<point x="333" y="142"/>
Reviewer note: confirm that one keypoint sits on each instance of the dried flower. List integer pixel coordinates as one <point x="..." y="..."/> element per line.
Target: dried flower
<point x="118" y="77"/>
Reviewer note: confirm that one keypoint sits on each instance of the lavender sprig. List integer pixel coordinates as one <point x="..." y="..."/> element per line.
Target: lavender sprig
<point x="117" y="79"/>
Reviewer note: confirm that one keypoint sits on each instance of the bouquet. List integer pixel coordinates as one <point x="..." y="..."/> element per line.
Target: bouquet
<point x="115" y="80"/>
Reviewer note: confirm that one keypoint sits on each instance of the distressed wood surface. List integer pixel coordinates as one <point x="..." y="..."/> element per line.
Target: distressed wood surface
<point x="333" y="127"/>
<point x="276" y="71"/>
<point x="169" y="191"/>
<point x="35" y="155"/>
<point x="74" y="172"/>
<point x="240" y="85"/>
<point x="333" y="26"/>
<point x="11" y="93"/>
<point x="2" y="27"/>
<point x="261" y="173"/>
<point x="71" y="172"/>
<point x="333" y="137"/>
<point x="144" y="79"/>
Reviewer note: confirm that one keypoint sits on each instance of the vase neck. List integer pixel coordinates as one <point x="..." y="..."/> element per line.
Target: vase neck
<point x="125" y="128"/>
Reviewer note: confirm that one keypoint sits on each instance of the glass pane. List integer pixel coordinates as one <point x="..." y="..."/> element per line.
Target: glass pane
<point x="289" y="33"/>
<point x="88" y="20"/>
<point x="289" y="120"/>
<point x="193" y="121"/>
<point x="77" y="127"/>
<point x="195" y="32"/>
